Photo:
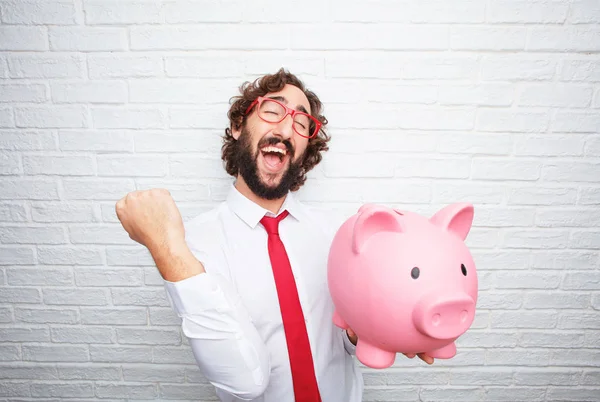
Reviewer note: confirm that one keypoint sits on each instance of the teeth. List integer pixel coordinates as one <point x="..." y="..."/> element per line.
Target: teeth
<point x="274" y="149"/>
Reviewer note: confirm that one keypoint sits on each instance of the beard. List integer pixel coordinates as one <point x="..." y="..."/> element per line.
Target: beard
<point x="247" y="162"/>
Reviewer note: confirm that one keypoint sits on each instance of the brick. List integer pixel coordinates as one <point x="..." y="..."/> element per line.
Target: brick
<point x="216" y="66"/>
<point x="179" y="141"/>
<point x="498" y="120"/>
<point x="123" y="65"/>
<point x="163" y="316"/>
<point x="23" y="92"/>
<point x="32" y="235"/>
<point x="585" y="12"/>
<point x="479" y="193"/>
<point x="51" y="117"/>
<point x="499" y="301"/>
<point x="557" y="300"/>
<point x="20" y="38"/>
<point x="24" y="140"/>
<point x="580" y="70"/>
<point x="205" y="117"/>
<point x="70" y="255"/>
<point x="89" y="92"/>
<point x="535" y="239"/>
<point x="94" y="372"/>
<point x="559" y="259"/>
<point x="568" y="394"/>
<point x="82" y="335"/>
<point x="15" y="295"/>
<point x="179" y="91"/>
<point x="357" y="36"/>
<point x="589" y="378"/>
<point x="473" y="339"/>
<point x="24" y="276"/>
<point x="353" y="142"/>
<point x="121" y="12"/>
<point x="148" y="336"/>
<point x="542" y="196"/>
<point x="576" y="122"/>
<point x="6" y="315"/>
<point x="152" y="278"/>
<point x="173" y="355"/>
<point x="76" y="390"/>
<point x="181" y="391"/>
<point x="517" y="68"/>
<point x="15" y="389"/>
<point x="567" y="218"/>
<point x="87" y="39"/>
<point x="377" y="191"/>
<point x="62" y="353"/>
<point x="557" y="95"/>
<point x="201" y="37"/>
<point x="9" y="353"/>
<point x="106" y="316"/>
<point x="483" y="238"/>
<point x="487" y="38"/>
<point x="568" y="38"/>
<point x="596" y="302"/>
<point x="501" y="259"/>
<point x="96" y="140"/>
<point x="140" y="297"/>
<point x="26" y="334"/>
<point x="490" y="94"/>
<point x="592" y="146"/>
<point x="519" y="11"/>
<point x="45" y="66"/>
<point x="571" y="171"/>
<point x="575" y="358"/>
<point x="25" y="371"/>
<point x="114" y="234"/>
<point x="133" y="391"/>
<point x="65" y="211"/>
<point x="515" y="393"/>
<point x="16" y="256"/>
<point x="374" y="91"/>
<point x="436" y="68"/>
<point x="581" y="281"/>
<point x="75" y="297"/>
<point x="380" y="65"/>
<point x="504" y="217"/>
<point x="131" y="166"/>
<point x="516" y="357"/>
<point x="139" y="256"/>
<point x="484" y="376"/>
<point x="544" y="376"/>
<point x="431" y="393"/>
<point x="181" y="190"/>
<point x="194" y="166"/>
<point x="6" y="117"/>
<point x="121" y="354"/>
<point x="3" y="67"/>
<point x="527" y="280"/>
<point x="109" y="277"/>
<point x="207" y="11"/>
<point x="97" y="189"/>
<point x="46" y="316"/>
<point x="589" y="196"/>
<point x="523" y="320"/>
<point x="445" y="167"/>
<point x="154" y="374"/>
<point x="55" y="12"/>
<point x="58" y="165"/>
<point x="505" y="169"/>
<point x="578" y="320"/>
<point x="549" y="145"/>
<point x="134" y="118"/>
<point x="10" y="164"/>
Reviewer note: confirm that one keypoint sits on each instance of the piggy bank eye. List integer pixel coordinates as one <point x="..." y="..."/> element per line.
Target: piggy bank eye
<point x="463" y="269"/>
<point x="415" y="272"/>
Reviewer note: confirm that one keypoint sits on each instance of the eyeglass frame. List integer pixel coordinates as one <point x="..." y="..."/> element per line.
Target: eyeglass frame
<point x="288" y="111"/>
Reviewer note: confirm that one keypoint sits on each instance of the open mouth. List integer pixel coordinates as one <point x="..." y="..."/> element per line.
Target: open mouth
<point x="274" y="158"/>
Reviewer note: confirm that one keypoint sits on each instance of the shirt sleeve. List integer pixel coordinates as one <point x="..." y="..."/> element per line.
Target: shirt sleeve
<point x="227" y="347"/>
<point x="349" y="346"/>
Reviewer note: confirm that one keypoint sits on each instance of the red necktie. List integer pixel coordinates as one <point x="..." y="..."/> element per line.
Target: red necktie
<point x="301" y="362"/>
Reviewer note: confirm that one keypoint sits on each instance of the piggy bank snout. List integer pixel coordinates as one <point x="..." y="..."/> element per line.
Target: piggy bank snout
<point x="444" y="317"/>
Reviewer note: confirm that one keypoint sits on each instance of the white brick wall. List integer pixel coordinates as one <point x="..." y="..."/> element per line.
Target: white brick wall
<point x="430" y="102"/>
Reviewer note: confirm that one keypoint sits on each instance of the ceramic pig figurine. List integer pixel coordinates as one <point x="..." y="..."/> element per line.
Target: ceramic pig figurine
<point x="402" y="282"/>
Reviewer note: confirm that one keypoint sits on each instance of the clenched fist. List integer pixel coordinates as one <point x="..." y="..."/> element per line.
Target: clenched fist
<point x="151" y="218"/>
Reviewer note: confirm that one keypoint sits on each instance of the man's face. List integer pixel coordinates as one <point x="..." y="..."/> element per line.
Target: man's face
<point x="270" y="155"/>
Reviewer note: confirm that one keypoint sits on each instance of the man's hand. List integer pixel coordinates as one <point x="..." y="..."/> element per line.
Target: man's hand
<point x="423" y="356"/>
<point x="152" y="219"/>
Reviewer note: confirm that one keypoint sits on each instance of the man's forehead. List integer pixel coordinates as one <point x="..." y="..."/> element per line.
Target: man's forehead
<point x="291" y="96"/>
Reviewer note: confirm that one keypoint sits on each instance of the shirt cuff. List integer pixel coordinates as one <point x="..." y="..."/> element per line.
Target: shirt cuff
<point x="196" y="294"/>
<point x="349" y="346"/>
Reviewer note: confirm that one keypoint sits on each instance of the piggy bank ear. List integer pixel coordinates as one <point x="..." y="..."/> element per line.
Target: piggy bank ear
<point x="373" y="219"/>
<point x="456" y="218"/>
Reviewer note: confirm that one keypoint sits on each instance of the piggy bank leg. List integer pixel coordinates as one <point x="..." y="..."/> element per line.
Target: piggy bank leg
<point x="339" y="321"/>
<point x="372" y="356"/>
<point x="446" y="352"/>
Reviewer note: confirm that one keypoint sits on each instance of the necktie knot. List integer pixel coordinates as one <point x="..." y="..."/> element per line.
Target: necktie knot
<point x="272" y="224"/>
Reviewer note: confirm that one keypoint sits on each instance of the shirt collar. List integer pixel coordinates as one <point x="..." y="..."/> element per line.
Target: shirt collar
<point x="251" y="213"/>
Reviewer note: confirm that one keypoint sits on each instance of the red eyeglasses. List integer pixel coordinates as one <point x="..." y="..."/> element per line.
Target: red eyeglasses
<point x="273" y="111"/>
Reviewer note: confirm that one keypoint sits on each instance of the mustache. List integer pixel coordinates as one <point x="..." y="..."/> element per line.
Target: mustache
<point x="274" y="141"/>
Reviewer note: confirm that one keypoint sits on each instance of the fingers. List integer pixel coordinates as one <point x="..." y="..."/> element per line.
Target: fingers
<point x="426" y="358"/>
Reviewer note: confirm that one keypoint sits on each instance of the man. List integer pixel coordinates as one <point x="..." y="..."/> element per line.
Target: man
<point x="248" y="278"/>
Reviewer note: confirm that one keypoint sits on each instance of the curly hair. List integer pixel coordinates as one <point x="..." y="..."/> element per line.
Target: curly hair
<point x="260" y="87"/>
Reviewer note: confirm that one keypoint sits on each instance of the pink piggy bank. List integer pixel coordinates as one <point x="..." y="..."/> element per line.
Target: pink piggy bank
<point x="402" y="282"/>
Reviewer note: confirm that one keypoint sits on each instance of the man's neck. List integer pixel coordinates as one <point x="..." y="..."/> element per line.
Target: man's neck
<point x="271" y="205"/>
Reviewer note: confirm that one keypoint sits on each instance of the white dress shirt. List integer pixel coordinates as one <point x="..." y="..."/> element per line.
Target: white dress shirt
<point x="231" y="314"/>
